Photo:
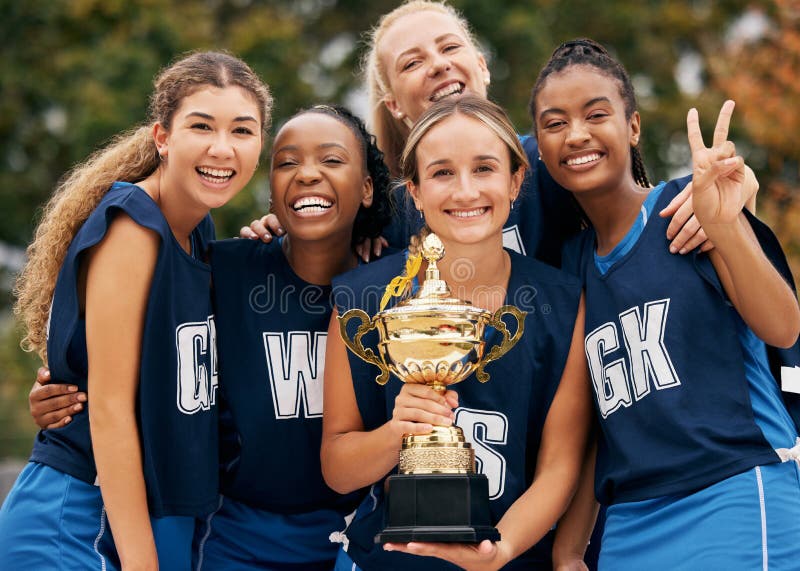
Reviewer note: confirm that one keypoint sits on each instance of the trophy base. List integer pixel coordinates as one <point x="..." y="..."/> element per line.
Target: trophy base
<point x="448" y="508"/>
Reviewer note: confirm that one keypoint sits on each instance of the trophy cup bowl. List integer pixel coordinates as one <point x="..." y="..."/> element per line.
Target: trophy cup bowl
<point x="435" y="340"/>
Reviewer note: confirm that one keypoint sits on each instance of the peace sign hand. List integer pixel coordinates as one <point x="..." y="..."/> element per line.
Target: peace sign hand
<point x="718" y="173"/>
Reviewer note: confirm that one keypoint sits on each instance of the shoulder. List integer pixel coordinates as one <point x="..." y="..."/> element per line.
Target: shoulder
<point x="573" y="252"/>
<point x="131" y="200"/>
<point x="351" y="288"/>
<point x="127" y="247"/>
<point x="674" y="186"/>
<point x="533" y="270"/>
<point x="240" y="250"/>
<point x="385" y="267"/>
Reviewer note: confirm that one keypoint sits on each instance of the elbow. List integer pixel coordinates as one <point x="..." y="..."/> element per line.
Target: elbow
<point x="789" y="337"/>
<point x="334" y="477"/>
<point x="791" y="329"/>
<point x="785" y="336"/>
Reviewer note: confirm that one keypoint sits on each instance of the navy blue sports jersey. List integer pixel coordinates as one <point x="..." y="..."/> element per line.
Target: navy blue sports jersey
<point x="504" y="418"/>
<point x="177" y="380"/>
<point x="272" y="331"/>
<point x="543" y="218"/>
<point x="667" y="368"/>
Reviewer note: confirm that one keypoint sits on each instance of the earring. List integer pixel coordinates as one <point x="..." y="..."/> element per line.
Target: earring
<point x="512" y="204"/>
<point x="487" y="80"/>
<point x="421" y="216"/>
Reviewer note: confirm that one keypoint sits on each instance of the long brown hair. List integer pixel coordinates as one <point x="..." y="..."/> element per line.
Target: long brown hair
<point x="129" y="157"/>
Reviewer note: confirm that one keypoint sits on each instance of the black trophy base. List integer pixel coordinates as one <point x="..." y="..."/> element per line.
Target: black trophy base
<point x="447" y="508"/>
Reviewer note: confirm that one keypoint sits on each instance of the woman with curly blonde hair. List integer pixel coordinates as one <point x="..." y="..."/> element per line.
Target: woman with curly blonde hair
<point x="115" y="297"/>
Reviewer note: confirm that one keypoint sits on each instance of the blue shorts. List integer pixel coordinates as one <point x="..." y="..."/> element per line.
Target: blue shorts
<point x="750" y="521"/>
<point x="51" y="520"/>
<point x="238" y="536"/>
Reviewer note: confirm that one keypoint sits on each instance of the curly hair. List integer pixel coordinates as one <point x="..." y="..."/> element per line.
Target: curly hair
<point x="369" y="222"/>
<point x="584" y="51"/>
<point x="129" y="157"/>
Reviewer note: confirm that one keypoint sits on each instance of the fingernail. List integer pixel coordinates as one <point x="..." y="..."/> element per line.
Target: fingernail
<point x="68" y="420"/>
<point x="77" y="407"/>
<point x="388" y="547"/>
<point x="46" y="374"/>
<point x="281" y="230"/>
<point x="683" y="251"/>
<point x="82" y="398"/>
<point x="267" y="238"/>
<point x="72" y="388"/>
<point x="673" y="249"/>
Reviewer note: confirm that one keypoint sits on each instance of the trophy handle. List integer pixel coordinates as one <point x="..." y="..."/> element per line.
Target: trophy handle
<point x="508" y="341"/>
<point x="355" y="344"/>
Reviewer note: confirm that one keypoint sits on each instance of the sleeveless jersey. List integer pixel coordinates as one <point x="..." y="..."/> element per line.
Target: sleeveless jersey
<point x="544" y="215"/>
<point x="504" y="418"/>
<point x="667" y="369"/>
<point x="272" y="331"/>
<point x="176" y="395"/>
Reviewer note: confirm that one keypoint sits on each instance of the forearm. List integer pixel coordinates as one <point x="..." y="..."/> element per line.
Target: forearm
<point x="117" y="454"/>
<point x="536" y="511"/>
<point x="759" y="293"/>
<point x="355" y="459"/>
<point x="575" y="527"/>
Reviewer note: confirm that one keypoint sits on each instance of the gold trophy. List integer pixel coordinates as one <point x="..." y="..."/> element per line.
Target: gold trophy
<point x="436" y="340"/>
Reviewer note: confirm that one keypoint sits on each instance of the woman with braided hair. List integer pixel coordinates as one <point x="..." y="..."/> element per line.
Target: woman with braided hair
<point x="698" y="451"/>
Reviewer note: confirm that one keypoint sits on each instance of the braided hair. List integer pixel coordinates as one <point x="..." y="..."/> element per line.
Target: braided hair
<point x="584" y="51"/>
<point x="369" y="222"/>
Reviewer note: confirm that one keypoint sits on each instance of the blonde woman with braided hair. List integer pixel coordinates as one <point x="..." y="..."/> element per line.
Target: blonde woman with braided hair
<point x="115" y="297"/>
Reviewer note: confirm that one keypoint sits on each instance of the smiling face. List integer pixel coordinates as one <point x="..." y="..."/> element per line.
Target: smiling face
<point x="211" y="149"/>
<point x="318" y="178"/>
<point x="426" y="57"/>
<point x="584" y="137"/>
<point x="465" y="181"/>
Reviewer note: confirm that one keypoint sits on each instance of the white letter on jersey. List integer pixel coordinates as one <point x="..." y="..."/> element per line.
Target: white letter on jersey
<point x="481" y="427"/>
<point x="610" y="381"/>
<point x="295" y="372"/>
<point x="196" y="386"/>
<point x="644" y="340"/>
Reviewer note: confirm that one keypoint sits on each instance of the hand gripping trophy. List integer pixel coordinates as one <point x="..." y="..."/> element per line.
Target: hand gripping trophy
<point x="436" y="340"/>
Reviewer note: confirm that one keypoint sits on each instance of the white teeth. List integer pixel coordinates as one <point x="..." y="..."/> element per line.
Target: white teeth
<point x="583" y="160"/>
<point x="447" y="90"/>
<point x="219" y="174"/>
<point x="468" y="213"/>
<point x="312" y="204"/>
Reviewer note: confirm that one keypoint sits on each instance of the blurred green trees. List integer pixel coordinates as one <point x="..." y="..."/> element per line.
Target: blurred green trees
<point x="75" y="72"/>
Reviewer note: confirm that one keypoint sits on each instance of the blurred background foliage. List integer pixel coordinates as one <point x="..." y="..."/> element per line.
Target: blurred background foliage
<point x="75" y="72"/>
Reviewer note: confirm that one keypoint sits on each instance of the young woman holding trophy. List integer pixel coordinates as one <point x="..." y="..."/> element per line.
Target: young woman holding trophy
<point x="463" y="167"/>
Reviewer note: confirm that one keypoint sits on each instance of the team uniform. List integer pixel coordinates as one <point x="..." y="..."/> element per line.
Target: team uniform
<point x="691" y="414"/>
<point x="543" y="217"/>
<point x="276" y="512"/>
<point x="54" y="517"/>
<point x="503" y="420"/>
